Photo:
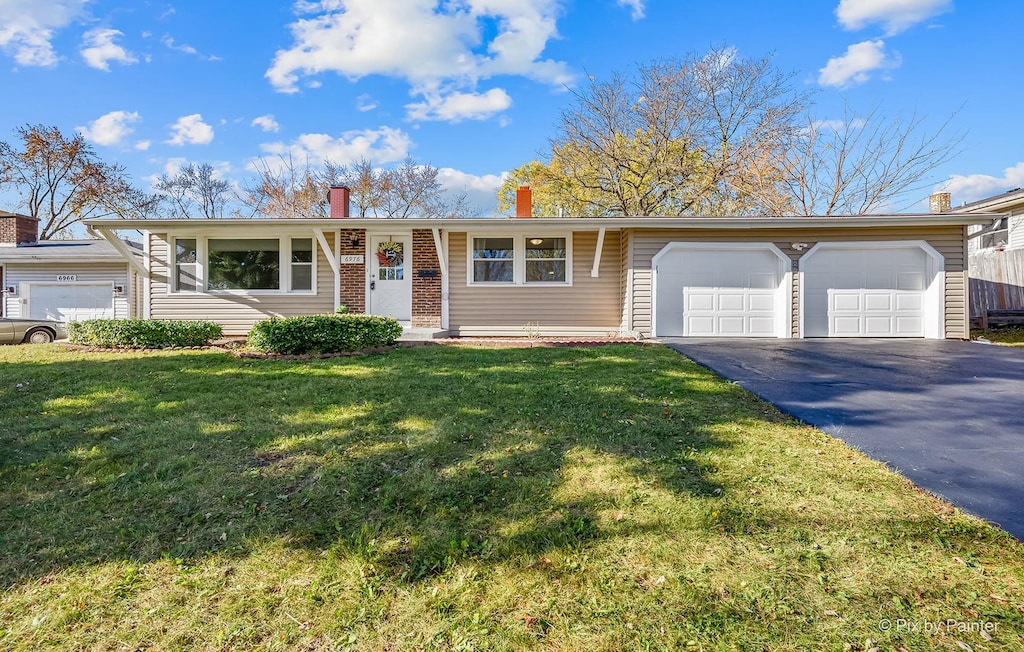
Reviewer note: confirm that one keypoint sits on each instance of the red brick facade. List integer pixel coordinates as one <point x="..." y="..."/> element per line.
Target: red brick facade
<point x="353" y="276"/>
<point x="426" y="290"/>
<point x="18" y="229"/>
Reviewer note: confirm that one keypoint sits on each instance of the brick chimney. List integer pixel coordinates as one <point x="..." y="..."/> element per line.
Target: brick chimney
<point x="524" y="202"/>
<point x="338" y="197"/>
<point x="18" y="229"/>
<point x="938" y="202"/>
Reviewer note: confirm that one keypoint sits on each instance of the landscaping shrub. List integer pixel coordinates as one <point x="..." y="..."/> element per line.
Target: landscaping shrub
<point x="323" y="333"/>
<point x="142" y="333"/>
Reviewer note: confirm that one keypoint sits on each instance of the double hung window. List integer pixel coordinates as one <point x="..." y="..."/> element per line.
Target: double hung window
<point x="520" y="260"/>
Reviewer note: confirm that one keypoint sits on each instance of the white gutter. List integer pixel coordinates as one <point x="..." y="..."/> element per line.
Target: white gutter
<point x="553" y="224"/>
<point x="597" y="254"/>
<point x="121" y="248"/>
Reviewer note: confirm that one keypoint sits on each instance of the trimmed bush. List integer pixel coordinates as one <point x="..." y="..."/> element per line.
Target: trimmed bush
<point x="323" y="334"/>
<point x="142" y="333"/>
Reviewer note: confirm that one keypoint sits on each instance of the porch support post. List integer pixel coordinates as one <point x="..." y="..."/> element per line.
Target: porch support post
<point x="442" y="263"/>
<point x="597" y="253"/>
<point x="122" y="249"/>
<point x="333" y="259"/>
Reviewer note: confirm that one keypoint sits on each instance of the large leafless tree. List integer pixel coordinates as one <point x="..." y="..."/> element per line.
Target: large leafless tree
<point x="720" y="134"/>
<point x="61" y="181"/>
<point x="197" y="191"/>
<point x="859" y="164"/>
<point x="284" y="187"/>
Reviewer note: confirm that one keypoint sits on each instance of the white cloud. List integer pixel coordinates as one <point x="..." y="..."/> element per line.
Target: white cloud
<point x="856" y="66"/>
<point x="835" y="125"/>
<point x="972" y="187"/>
<point x="143" y="145"/>
<point x="456" y="106"/>
<point x="365" y="102"/>
<point x="383" y="145"/>
<point x="27" y="28"/>
<point x="894" y="15"/>
<point x="190" y="130"/>
<point x="266" y="123"/>
<point x="187" y="49"/>
<point x="481" y="190"/>
<point x="99" y="49"/>
<point x="636" y="8"/>
<point x="111" y="128"/>
<point x="431" y="45"/>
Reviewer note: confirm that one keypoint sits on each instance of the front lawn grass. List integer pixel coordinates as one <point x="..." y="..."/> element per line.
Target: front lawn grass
<point x="451" y="498"/>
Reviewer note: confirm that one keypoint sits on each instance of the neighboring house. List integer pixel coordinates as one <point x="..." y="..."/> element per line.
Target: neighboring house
<point x="995" y="255"/>
<point x="860" y="276"/>
<point x="67" y="280"/>
<point x="1007" y="231"/>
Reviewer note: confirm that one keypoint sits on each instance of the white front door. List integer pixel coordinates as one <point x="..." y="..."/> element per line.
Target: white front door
<point x="390" y="277"/>
<point x="71" y="301"/>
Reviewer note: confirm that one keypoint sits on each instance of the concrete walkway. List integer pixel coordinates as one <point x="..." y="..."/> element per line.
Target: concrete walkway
<point x="947" y="415"/>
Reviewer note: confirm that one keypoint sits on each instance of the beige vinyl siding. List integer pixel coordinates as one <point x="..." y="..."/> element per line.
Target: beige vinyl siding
<point x="236" y="313"/>
<point x="24" y="275"/>
<point x="590" y="306"/>
<point x="947" y="240"/>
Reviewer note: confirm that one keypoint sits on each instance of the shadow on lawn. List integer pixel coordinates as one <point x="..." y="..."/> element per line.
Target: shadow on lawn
<point x="411" y="460"/>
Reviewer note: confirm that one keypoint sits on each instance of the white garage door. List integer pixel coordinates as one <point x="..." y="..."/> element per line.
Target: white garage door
<point x="71" y="301"/>
<point x="867" y="292"/>
<point x="721" y="290"/>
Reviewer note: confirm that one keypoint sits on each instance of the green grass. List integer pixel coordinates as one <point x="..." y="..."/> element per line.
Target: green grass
<point x="1006" y="336"/>
<point x="452" y="498"/>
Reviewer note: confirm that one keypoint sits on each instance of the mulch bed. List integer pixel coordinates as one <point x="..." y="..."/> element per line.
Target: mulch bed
<point x="526" y="342"/>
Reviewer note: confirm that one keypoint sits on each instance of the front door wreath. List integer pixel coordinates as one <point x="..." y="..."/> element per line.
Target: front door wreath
<point x="389" y="254"/>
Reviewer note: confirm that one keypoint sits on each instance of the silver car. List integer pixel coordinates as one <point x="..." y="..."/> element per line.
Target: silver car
<point x="30" y="331"/>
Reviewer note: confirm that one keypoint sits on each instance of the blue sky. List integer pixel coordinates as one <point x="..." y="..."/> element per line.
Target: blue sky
<point x="474" y="87"/>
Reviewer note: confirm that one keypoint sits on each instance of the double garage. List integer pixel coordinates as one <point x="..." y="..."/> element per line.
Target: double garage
<point x="891" y="288"/>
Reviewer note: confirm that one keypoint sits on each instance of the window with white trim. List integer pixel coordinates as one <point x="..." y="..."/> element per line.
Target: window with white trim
<point x="243" y="264"/>
<point x="520" y="260"/>
<point x="268" y="265"/>
<point x="302" y="265"/>
<point x="493" y="260"/>
<point x="185" y="276"/>
<point x="545" y="260"/>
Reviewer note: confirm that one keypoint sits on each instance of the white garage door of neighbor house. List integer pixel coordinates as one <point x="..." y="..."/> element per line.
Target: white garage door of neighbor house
<point x="866" y="292"/>
<point x="712" y="292"/>
<point x="71" y="302"/>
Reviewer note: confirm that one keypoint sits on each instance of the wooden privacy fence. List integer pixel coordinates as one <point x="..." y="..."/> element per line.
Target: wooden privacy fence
<point x="997" y="286"/>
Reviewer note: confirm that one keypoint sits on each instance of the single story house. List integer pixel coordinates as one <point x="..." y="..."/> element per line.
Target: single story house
<point x="66" y="280"/>
<point x="859" y="276"/>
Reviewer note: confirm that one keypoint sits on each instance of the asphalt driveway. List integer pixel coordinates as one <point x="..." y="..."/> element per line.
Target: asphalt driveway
<point x="947" y="415"/>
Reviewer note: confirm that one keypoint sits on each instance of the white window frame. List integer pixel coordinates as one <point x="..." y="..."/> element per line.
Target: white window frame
<point x="519" y="244"/>
<point x="312" y="265"/>
<point x="202" y="263"/>
<point x="172" y="282"/>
